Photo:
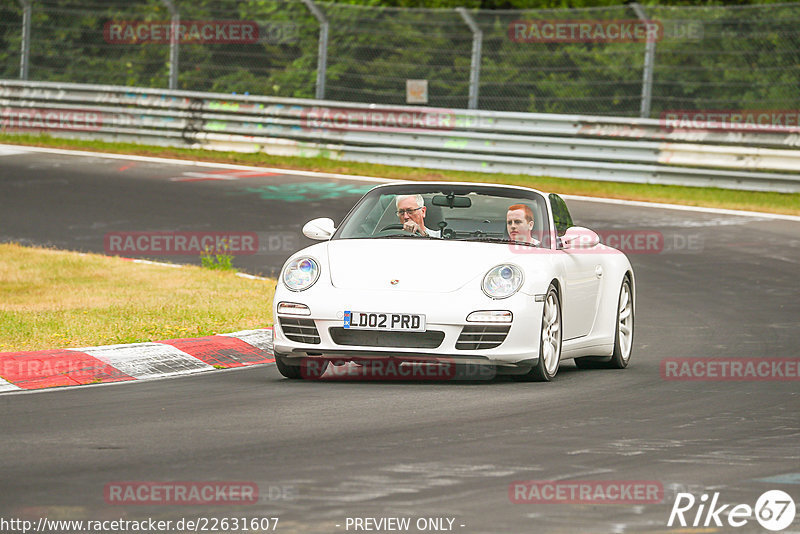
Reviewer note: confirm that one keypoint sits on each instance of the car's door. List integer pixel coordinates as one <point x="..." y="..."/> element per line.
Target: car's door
<point x="582" y="273"/>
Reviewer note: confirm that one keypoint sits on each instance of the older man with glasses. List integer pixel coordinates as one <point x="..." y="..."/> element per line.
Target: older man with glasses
<point x="411" y="210"/>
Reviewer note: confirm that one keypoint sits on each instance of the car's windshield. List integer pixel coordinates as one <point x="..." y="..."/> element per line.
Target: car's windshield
<point x="452" y="212"/>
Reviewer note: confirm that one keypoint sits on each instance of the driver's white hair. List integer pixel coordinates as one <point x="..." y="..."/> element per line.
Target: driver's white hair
<point x="418" y="198"/>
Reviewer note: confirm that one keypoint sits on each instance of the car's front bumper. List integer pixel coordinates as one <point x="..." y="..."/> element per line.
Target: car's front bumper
<point x="445" y="315"/>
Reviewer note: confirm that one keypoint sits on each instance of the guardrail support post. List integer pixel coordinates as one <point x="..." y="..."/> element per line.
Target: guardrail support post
<point x="475" y="63"/>
<point x="322" y="54"/>
<point x="25" y="53"/>
<point x="649" y="63"/>
<point x="174" y="42"/>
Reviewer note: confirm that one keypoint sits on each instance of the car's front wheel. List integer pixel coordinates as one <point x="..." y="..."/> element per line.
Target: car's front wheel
<point x="307" y="368"/>
<point x="623" y="338"/>
<point x="623" y="341"/>
<point x="549" y="340"/>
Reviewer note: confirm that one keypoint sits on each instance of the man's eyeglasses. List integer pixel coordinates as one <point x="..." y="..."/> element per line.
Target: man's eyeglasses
<point x="409" y="211"/>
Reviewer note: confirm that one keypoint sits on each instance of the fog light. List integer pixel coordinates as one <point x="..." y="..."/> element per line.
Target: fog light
<point x="490" y="316"/>
<point x="293" y="308"/>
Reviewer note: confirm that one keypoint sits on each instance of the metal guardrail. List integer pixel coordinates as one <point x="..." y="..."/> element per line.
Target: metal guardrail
<point x="570" y="146"/>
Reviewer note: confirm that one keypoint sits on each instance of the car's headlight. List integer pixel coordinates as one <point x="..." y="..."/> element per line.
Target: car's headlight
<point x="502" y="281"/>
<point x="300" y="274"/>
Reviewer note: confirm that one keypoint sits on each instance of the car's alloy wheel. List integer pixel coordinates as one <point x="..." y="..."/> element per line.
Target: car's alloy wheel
<point x="549" y="340"/>
<point x="623" y="341"/>
<point x="623" y="337"/>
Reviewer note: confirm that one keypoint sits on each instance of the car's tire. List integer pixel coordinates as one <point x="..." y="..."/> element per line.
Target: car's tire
<point x="549" y="340"/>
<point x="286" y="369"/>
<point x="623" y="339"/>
<point x="623" y="336"/>
<point x="308" y="368"/>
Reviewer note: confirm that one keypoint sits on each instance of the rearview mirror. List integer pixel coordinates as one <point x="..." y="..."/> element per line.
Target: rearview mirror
<point x="319" y="229"/>
<point x="579" y="237"/>
<point x="451" y="201"/>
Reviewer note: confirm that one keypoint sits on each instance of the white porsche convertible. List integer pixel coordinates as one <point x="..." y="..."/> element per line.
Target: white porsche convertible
<point x="468" y="274"/>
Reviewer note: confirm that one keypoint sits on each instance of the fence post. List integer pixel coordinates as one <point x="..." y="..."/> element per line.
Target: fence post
<point x="25" y="53"/>
<point x="649" y="64"/>
<point x="175" y="22"/>
<point x="322" y="54"/>
<point x="475" y="62"/>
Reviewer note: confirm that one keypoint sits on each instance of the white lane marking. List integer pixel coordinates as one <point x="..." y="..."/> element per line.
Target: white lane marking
<point x="161" y="264"/>
<point x="721" y="211"/>
<point x="192" y="163"/>
<point x="261" y="339"/>
<point x="151" y="159"/>
<point x="147" y="360"/>
<point x="204" y="175"/>
<point x="10" y="150"/>
<point x="228" y="174"/>
<point x="7" y="386"/>
<point x="148" y="262"/>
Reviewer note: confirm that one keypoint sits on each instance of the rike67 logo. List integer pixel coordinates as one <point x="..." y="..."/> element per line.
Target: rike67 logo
<point x="774" y="510"/>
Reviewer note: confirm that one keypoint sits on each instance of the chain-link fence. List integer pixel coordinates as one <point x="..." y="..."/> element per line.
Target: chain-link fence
<point x="624" y="61"/>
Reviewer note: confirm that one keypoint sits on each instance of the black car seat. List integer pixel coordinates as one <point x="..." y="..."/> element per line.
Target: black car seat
<point x="433" y="216"/>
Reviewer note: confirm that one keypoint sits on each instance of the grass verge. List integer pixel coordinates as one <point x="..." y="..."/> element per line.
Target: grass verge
<point x="52" y="299"/>
<point x="785" y="203"/>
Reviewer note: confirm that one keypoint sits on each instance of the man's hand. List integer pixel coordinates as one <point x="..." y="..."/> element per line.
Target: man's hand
<point x="411" y="226"/>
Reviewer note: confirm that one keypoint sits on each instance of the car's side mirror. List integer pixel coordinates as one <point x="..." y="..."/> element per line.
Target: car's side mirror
<point x="579" y="237"/>
<point x="319" y="229"/>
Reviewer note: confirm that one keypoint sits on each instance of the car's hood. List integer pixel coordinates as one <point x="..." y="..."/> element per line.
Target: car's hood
<point x="416" y="264"/>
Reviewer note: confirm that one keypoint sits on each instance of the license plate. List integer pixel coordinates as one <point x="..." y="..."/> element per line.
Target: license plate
<point x="407" y="322"/>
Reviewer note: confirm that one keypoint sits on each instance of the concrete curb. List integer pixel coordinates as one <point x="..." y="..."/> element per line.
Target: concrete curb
<point x="137" y="361"/>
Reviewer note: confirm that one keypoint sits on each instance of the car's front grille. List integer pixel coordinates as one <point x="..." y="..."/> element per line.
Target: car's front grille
<point x="480" y="337"/>
<point x="429" y="339"/>
<point x="299" y="330"/>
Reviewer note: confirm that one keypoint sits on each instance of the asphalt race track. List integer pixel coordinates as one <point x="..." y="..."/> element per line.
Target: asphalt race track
<point x="78" y="203"/>
<point x="324" y="454"/>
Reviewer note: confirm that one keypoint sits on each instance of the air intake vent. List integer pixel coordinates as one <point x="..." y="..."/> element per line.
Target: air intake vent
<point x="482" y="337"/>
<point x="429" y="339"/>
<point x="300" y="330"/>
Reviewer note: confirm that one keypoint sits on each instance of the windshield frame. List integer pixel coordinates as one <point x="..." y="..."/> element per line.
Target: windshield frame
<point x="404" y="188"/>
